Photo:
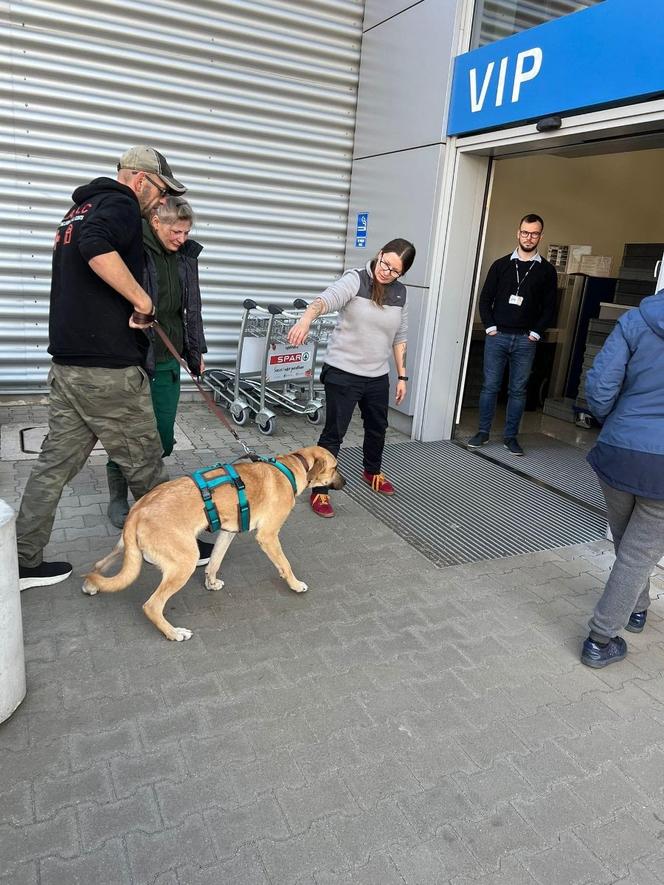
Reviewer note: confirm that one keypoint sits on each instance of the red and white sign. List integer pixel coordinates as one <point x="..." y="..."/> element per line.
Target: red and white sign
<point x="286" y="362"/>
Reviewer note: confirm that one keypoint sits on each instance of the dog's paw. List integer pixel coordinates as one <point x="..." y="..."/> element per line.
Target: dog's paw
<point x="89" y="588"/>
<point x="213" y="583"/>
<point x="300" y="587"/>
<point x="180" y="634"/>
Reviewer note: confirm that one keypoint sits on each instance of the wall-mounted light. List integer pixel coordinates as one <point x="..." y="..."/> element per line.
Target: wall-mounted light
<point x="548" y="124"/>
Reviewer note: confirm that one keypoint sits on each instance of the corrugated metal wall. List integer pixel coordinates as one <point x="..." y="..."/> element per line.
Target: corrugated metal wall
<point x="253" y="104"/>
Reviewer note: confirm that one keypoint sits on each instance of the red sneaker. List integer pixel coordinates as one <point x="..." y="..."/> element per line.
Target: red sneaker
<point x="378" y="482"/>
<point x="320" y="504"/>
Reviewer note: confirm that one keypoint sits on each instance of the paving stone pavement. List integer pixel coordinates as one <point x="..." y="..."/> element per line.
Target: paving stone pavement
<point x="397" y="724"/>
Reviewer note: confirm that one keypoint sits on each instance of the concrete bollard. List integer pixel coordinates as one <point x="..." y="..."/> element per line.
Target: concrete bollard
<point x="12" y="661"/>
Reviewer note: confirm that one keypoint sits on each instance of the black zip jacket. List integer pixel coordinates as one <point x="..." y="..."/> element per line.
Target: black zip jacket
<point x="194" y="345"/>
<point x="538" y="288"/>
<point x="88" y="319"/>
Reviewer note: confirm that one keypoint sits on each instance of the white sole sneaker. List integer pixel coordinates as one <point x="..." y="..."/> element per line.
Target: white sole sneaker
<point x="27" y="583"/>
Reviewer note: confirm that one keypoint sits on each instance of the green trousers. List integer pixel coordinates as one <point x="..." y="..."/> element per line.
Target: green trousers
<point x="85" y="405"/>
<point x="165" y="388"/>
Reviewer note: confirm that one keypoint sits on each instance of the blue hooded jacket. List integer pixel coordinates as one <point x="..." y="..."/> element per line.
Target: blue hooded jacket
<point x="625" y="392"/>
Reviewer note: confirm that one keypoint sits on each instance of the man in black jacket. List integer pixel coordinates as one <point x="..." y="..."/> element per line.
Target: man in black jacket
<point x="98" y="387"/>
<point x="517" y="305"/>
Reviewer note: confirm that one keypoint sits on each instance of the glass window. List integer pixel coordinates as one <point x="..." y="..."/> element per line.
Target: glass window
<point x="495" y="19"/>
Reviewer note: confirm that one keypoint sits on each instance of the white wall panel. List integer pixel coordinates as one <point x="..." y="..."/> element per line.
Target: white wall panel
<point x="398" y="191"/>
<point x="406" y="64"/>
<point x="253" y="104"/>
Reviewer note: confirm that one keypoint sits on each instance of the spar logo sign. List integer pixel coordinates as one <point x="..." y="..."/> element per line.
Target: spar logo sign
<point x="287" y="363"/>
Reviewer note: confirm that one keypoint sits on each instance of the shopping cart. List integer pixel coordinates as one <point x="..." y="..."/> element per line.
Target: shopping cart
<point x="269" y="372"/>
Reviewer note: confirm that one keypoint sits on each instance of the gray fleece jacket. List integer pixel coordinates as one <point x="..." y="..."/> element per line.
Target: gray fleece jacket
<point x="365" y="333"/>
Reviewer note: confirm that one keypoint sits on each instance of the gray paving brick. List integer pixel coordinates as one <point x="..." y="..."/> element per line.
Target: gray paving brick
<point x="429" y="810"/>
<point x="88" y="749"/>
<point x="568" y="863"/>
<point x="546" y="766"/>
<point x="555" y="811"/>
<point x="493" y="786"/>
<point x="55" y="836"/>
<point x="279" y="769"/>
<point x="497" y="834"/>
<point x="26" y="874"/>
<point x="316" y="800"/>
<point x="33" y="762"/>
<point x="52" y="794"/>
<point x="152" y="854"/>
<point x="379" y="870"/>
<point x="106" y="864"/>
<point x="16" y="805"/>
<point x="178" y="798"/>
<point x="246" y="868"/>
<point x="293" y="860"/>
<point x="610" y="789"/>
<point x="326" y="720"/>
<point x="382" y="827"/>
<point x="132" y="772"/>
<point x="232" y="828"/>
<point x="371" y="784"/>
<point x="438" y="860"/>
<point x="617" y="842"/>
<point x="490" y="744"/>
<point x="99" y="822"/>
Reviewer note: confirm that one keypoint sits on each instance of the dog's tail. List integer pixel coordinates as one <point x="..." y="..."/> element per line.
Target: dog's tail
<point x="131" y="564"/>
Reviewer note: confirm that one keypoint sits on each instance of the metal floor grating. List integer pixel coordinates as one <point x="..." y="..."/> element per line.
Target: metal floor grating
<point x="554" y="464"/>
<point x="455" y="507"/>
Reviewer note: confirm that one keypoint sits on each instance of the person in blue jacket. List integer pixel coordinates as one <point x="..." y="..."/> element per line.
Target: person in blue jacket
<point x="625" y="392"/>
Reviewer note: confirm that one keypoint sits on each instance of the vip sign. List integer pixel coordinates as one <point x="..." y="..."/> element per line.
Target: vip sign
<point x="527" y="67"/>
<point x="286" y="362"/>
<point x="608" y="54"/>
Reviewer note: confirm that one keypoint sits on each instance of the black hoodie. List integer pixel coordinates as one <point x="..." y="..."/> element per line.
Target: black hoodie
<point x="88" y="321"/>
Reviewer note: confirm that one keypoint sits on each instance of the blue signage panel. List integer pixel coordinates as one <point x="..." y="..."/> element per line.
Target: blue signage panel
<point x="602" y="55"/>
<point x="361" y="230"/>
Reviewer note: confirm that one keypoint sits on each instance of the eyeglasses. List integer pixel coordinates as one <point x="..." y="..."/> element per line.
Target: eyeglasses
<point x="533" y="235"/>
<point x="162" y="190"/>
<point x="386" y="267"/>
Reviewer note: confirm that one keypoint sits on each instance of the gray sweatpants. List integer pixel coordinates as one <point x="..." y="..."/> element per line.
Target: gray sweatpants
<point x="637" y="526"/>
<point x="85" y="405"/>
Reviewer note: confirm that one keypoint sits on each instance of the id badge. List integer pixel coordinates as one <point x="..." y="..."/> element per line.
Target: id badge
<point x="516" y="299"/>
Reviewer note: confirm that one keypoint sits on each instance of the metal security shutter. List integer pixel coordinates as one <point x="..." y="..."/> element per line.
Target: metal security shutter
<point x="253" y="104"/>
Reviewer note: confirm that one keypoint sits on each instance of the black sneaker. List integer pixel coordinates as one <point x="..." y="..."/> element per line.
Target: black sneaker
<point x="637" y="621"/>
<point x="480" y="439"/>
<point x="513" y="446"/>
<point x="596" y="655"/>
<point x="204" y="552"/>
<point x="43" y="574"/>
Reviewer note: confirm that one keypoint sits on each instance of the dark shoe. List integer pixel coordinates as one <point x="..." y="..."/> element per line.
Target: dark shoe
<point x="378" y="482"/>
<point x="513" y="446"/>
<point x="204" y="552"/>
<point x="480" y="439"/>
<point x="596" y="655"/>
<point x="320" y="504"/>
<point x="637" y="621"/>
<point x="118" y="507"/>
<point x="43" y="575"/>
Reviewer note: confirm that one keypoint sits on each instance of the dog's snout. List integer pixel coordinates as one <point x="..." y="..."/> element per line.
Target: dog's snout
<point x="338" y="482"/>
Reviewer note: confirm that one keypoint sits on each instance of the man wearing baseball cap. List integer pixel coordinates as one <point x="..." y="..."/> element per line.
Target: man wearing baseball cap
<point x="98" y="387"/>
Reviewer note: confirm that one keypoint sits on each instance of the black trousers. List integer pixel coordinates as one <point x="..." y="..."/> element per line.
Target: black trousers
<point x="344" y="391"/>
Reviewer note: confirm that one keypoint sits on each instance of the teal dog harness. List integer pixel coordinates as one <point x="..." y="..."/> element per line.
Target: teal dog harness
<point x="231" y="475"/>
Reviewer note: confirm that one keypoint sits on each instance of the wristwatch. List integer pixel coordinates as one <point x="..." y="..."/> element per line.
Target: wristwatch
<point x="402" y="377"/>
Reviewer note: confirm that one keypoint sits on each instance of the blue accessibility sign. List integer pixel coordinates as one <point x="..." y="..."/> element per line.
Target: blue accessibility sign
<point x="361" y="230"/>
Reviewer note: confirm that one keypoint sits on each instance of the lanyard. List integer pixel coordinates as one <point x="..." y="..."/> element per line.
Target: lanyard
<point x="519" y="281"/>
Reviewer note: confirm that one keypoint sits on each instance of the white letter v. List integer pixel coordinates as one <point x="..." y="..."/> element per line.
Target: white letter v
<point x="475" y="103"/>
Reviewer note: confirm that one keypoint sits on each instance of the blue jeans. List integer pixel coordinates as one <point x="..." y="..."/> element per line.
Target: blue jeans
<point x="519" y="352"/>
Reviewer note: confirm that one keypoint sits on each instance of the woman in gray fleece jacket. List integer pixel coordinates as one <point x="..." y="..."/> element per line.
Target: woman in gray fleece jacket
<point x="373" y="320"/>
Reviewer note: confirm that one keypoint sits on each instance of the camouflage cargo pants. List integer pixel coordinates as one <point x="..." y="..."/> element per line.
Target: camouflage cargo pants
<point x="85" y="405"/>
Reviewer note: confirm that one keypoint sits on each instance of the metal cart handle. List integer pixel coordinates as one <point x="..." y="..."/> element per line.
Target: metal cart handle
<point x="274" y="309"/>
<point x="248" y="304"/>
<point x="300" y="304"/>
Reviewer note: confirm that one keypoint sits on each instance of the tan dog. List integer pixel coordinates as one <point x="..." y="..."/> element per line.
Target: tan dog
<point x="164" y="524"/>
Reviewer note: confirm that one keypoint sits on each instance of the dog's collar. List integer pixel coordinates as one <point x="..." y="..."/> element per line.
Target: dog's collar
<point x="303" y="461"/>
